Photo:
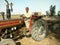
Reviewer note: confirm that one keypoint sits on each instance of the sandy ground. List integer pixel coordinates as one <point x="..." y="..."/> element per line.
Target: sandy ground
<point x="49" y="40"/>
<point x="46" y="41"/>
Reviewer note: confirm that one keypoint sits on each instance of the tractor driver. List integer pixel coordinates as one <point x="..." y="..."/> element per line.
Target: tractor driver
<point x="27" y="15"/>
<point x="27" y="18"/>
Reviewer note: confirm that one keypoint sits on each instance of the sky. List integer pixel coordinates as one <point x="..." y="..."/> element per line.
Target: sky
<point x="34" y="5"/>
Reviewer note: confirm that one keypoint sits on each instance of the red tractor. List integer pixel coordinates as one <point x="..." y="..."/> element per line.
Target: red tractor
<point x="38" y="26"/>
<point x="11" y="28"/>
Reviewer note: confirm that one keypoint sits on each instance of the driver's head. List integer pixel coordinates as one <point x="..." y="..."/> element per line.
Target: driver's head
<point x="27" y="9"/>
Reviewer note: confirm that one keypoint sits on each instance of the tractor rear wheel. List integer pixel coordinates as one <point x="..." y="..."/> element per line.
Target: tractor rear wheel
<point x="39" y="30"/>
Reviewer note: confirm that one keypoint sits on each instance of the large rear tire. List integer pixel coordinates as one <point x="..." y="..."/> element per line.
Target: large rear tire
<point x="39" y="30"/>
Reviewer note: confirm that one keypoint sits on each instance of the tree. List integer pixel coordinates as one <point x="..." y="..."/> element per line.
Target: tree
<point x="58" y="13"/>
<point x="52" y="10"/>
<point x="8" y="10"/>
<point x="47" y="13"/>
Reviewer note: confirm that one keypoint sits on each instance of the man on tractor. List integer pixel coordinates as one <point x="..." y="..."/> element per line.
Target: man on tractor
<point x="27" y="19"/>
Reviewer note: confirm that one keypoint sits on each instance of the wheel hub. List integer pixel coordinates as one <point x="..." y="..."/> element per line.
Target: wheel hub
<point x="41" y="30"/>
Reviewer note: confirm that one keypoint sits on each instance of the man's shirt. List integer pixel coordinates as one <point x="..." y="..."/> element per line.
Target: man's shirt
<point x="28" y="14"/>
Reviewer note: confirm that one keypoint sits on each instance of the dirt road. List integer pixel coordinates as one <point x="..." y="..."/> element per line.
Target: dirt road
<point x="46" y="41"/>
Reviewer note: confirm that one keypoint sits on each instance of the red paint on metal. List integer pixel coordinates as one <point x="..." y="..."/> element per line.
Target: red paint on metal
<point x="31" y="23"/>
<point x="10" y="23"/>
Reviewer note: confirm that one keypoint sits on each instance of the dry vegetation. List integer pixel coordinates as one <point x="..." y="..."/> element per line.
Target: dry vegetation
<point x="13" y="16"/>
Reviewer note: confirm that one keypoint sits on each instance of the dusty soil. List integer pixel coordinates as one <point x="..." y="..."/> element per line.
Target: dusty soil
<point x="49" y="40"/>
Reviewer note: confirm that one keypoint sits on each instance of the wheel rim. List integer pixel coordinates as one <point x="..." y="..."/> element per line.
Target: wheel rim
<point x="41" y="32"/>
